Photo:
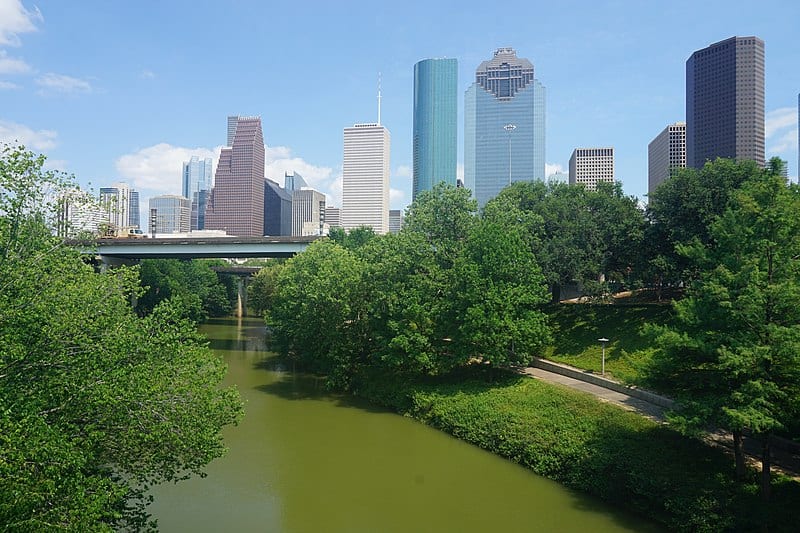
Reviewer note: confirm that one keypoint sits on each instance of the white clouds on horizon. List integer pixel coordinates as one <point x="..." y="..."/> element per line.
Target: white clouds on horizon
<point x="779" y="119"/>
<point x="7" y="85"/>
<point x="60" y="83"/>
<point x="402" y="171"/>
<point x="14" y="133"/>
<point x="12" y="65"/>
<point x="552" y="168"/>
<point x="14" y="20"/>
<point x="157" y="169"/>
<point x="785" y="143"/>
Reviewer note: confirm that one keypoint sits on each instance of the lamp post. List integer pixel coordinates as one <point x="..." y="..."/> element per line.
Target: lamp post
<point x="509" y="128"/>
<point x="603" y="367"/>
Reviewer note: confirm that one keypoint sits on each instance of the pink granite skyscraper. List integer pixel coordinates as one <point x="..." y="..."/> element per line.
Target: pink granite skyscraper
<point x="236" y="204"/>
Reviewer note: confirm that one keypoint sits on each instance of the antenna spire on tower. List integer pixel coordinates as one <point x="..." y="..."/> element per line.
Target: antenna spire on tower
<point x="379" y="98"/>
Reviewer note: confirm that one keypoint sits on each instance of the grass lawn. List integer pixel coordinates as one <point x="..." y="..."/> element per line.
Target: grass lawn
<point x="576" y="328"/>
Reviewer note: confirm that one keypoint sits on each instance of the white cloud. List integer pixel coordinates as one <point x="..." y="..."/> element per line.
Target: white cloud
<point x="779" y="119"/>
<point x="402" y="171"/>
<point x="157" y="169"/>
<point x="552" y="168"/>
<point x="12" y="65"/>
<point x="15" y="19"/>
<point x="397" y="198"/>
<point x="14" y="133"/>
<point x="278" y="160"/>
<point x="59" y="83"/>
<point x="147" y="74"/>
<point x="56" y="164"/>
<point x="784" y="143"/>
<point x="8" y="85"/>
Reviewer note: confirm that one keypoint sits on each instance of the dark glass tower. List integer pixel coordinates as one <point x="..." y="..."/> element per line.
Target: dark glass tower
<point x="725" y="102"/>
<point x="435" y="121"/>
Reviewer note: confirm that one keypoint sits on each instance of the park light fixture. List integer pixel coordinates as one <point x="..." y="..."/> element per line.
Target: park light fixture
<point x="603" y="367"/>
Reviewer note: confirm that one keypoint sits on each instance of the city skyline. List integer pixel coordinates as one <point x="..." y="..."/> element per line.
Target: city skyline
<point x="615" y="75"/>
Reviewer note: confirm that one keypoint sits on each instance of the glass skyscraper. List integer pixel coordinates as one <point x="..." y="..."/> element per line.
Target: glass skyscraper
<point x="196" y="186"/>
<point x="504" y="126"/>
<point x="435" y="122"/>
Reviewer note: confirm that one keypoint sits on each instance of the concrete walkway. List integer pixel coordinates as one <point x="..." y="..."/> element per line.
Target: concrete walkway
<point x="786" y="461"/>
<point x="645" y="408"/>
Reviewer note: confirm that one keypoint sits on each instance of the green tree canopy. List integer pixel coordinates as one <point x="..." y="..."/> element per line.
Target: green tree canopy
<point x="95" y="403"/>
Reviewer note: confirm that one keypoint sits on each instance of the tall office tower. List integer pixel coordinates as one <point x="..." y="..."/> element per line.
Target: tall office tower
<point x="435" y="142"/>
<point x="590" y="166"/>
<point x="333" y="217"/>
<point x="365" y="178"/>
<point x="292" y="181"/>
<point x="308" y="213"/>
<point x="395" y="220"/>
<point x="170" y="213"/>
<point x="725" y="102"/>
<point x="236" y="203"/>
<point x="277" y="209"/>
<point x="665" y="153"/>
<point x="504" y="126"/>
<point x="133" y="214"/>
<point x="197" y="176"/>
<point x="116" y="201"/>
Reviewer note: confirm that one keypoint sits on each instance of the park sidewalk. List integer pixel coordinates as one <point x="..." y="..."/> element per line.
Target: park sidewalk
<point x="646" y="404"/>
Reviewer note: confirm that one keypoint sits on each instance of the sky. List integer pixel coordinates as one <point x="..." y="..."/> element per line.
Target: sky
<point x="128" y="91"/>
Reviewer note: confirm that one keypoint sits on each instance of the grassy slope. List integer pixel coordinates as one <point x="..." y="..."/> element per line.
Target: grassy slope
<point x="597" y="448"/>
<point x="576" y="328"/>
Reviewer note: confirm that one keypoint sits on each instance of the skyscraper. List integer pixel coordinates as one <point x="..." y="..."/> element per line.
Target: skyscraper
<point x="196" y="187"/>
<point x="236" y="204"/>
<point x="170" y="213"/>
<point x="590" y="166"/>
<point x="725" y="102"/>
<point x="664" y="153"/>
<point x="133" y="215"/>
<point x="365" y="177"/>
<point x="308" y="212"/>
<point x="504" y="126"/>
<point x="116" y="202"/>
<point x="435" y="142"/>
<point x="277" y="209"/>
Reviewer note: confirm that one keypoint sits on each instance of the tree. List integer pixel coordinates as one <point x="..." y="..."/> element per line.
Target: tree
<point x="733" y="359"/>
<point x="261" y="291"/>
<point x="318" y="311"/>
<point x="97" y="404"/>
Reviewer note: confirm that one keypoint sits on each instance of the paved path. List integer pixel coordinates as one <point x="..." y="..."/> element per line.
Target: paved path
<point x="788" y="462"/>
<point x="650" y="410"/>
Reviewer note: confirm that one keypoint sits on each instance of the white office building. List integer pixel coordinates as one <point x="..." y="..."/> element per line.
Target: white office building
<point x="308" y="213"/>
<point x="590" y="166"/>
<point x="365" y="185"/>
<point x="665" y="153"/>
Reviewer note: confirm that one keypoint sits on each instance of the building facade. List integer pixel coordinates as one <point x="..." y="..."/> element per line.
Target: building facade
<point x="365" y="178"/>
<point x="197" y="181"/>
<point x="79" y="213"/>
<point x="725" y="102"/>
<point x="590" y="166"/>
<point x="395" y="220"/>
<point x="170" y="213"/>
<point x="236" y="203"/>
<point x="665" y="153"/>
<point x="308" y="213"/>
<point x="504" y="126"/>
<point x="116" y="203"/>
<point x="292" y="181"/>
<point x="435" y="142"/>
<point x="333" y="217"/>
<point x="277" y="209"/>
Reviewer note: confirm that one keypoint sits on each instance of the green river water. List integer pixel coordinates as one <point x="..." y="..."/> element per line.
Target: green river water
<point x="305" y="460"/>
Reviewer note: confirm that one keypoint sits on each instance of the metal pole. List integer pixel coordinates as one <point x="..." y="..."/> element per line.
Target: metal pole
<point x="603" y="340"/>
<point x="509" y="128"/>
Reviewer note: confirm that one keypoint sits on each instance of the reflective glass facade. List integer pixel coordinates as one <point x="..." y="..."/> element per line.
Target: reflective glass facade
<point x="277" y="209"/>
<point x="435" y="140"/>
<point x="504" y="126"/>
<point x="197" y="178"/>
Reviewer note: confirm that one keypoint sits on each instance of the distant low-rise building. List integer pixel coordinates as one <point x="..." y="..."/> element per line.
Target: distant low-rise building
<point x="395" y="220"/>
<point x="308" y="213"/>
<point x="590" y="166"/>
<point x="170" y="213"/>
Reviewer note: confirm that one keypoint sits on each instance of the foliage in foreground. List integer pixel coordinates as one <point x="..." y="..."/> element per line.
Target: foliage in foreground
<point x="96" y="404"/>
<point x="571" y="438"/>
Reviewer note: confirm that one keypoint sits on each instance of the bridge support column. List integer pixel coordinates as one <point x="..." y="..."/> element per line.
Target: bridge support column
<point x="241" y="289"/>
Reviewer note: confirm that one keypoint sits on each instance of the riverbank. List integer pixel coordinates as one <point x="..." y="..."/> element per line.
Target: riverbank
<point x="600" y="449"/>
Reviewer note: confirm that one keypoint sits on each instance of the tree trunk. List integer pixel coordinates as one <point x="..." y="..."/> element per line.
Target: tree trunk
<point x="738" y="454"/>
<point x="765" y="468"/>
<point x="555" y="293"/>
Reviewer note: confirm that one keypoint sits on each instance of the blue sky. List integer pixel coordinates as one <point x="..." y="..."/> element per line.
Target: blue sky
<point x="127" y="91"/>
